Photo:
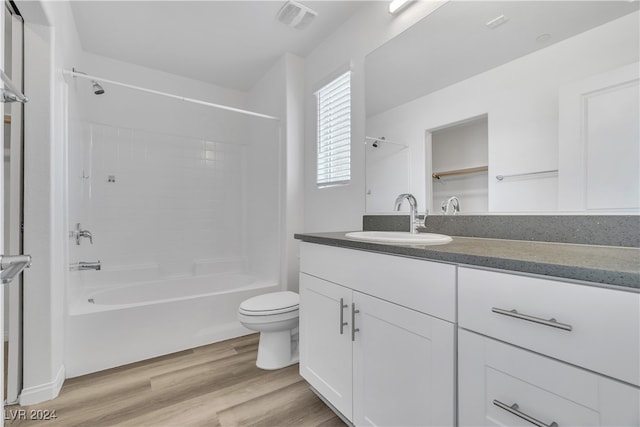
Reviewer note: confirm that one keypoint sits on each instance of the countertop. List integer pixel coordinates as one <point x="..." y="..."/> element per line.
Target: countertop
<point x="605" y="265"/>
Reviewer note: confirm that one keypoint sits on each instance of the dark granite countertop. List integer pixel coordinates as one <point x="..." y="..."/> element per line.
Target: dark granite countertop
<point x="607" y="265"/>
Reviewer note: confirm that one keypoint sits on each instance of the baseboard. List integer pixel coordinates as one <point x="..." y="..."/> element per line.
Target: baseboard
<point x="43" y="392"/>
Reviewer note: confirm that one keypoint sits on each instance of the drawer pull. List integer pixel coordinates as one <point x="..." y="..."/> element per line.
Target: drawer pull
<point x="513" y="409"/>
<point x="353" y="322"/>
<point x="342" y="322"/>
<point x="551" y="322"/>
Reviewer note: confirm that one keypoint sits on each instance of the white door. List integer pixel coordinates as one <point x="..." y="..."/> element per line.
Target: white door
<point x="13" y="212"/>
<point x="325" y="340"/>
<point x="599" y="140"/>
<point x="403" y="366"/>
<point x="2" y="202"/>
<point x="11" y="203"/>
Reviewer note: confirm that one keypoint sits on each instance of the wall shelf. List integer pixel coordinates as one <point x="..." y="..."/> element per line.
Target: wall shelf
<point x="438" y="175"/>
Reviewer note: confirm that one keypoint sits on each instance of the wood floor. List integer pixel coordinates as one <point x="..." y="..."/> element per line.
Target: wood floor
<point x="214" y="385"/>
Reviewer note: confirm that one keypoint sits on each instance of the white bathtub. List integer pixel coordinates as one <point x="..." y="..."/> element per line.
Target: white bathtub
<point x="116" y="326"/>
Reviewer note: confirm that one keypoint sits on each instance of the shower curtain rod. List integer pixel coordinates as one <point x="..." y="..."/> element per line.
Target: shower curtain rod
<point x="169" y="95"/>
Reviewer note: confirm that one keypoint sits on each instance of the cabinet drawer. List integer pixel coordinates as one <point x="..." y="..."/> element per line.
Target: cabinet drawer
<point x="588" y="326"/>
<point x="428" y="287"/>
<point x="494" y="376"/>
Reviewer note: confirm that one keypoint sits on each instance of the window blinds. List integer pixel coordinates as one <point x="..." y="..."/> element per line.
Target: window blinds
<point x="334" y="132"/>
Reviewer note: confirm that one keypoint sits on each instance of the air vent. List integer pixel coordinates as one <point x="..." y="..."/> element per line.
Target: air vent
<point x="296" y="15"/>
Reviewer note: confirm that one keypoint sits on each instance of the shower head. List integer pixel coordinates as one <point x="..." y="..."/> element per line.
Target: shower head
<point x="375" y="142"/>
<point x="97" y="89"/>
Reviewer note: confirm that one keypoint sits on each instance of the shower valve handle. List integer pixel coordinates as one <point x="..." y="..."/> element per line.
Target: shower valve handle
<point x="78" y="233"/>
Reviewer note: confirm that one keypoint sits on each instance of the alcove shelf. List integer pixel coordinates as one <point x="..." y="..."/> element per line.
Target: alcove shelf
<point x="438" y="175"/>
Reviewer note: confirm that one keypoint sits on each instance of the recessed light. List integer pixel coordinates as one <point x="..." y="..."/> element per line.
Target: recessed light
<point x="496" y="22"/>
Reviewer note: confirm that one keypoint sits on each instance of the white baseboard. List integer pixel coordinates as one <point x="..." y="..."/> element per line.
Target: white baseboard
<point x="43" y="392"/>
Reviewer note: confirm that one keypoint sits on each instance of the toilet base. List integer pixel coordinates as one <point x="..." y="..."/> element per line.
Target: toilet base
<point x="277" y="350"/>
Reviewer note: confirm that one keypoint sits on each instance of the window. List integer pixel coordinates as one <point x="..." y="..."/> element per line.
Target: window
<point x="334" y="132"/>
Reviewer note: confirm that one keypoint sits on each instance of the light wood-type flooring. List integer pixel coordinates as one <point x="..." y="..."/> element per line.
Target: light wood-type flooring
<point x="214" y="385"/>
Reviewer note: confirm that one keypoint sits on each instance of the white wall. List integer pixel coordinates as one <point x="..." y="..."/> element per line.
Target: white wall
<point x="521" y="100"/>
<point x="341" y="207"/>
<point x="50" y="44"/>
<point x="279" y="93"/>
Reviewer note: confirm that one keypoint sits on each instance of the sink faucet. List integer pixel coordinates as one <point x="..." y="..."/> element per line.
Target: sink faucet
<point x="453" y="202"/>
<point x="414" y="221"/>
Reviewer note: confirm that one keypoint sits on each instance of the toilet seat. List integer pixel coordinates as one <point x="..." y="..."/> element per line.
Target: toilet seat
<point x="270" y="304"/>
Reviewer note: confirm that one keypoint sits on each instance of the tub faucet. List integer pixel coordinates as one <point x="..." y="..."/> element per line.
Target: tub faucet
<point x="453" y="202"/>
<point x="414" y="221"/>
<point x="82" y="265"/>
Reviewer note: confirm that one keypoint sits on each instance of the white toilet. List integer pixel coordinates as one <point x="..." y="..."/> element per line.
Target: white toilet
<point x="275" y="316"/>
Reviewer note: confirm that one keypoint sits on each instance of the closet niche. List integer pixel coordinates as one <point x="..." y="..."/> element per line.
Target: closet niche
<point x="458" y="155"/>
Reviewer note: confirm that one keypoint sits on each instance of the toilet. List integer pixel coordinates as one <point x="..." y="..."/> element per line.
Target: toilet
<point x="275" y="316"/>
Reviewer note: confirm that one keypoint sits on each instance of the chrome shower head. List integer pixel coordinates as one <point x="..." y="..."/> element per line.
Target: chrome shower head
<point x="97" y="89"/>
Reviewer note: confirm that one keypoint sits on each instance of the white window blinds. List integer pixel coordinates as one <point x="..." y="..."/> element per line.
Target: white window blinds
<point x="334" y="132"/>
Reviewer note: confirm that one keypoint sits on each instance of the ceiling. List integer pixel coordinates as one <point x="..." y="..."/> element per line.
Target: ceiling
<point x="227" y="43"/>
<point x="453" y="43"/>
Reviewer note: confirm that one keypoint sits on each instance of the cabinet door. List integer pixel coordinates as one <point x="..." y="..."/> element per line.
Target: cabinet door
<point x="403" y="366"/>
<point x="325" y="344"/>
<point x="494" y="376"/>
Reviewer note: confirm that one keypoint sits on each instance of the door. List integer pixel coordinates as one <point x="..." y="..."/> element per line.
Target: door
<point x="12" y="200"/>
<point x="599" y="157"/>
<point x="325" y="340"/>
<point x="403" y="366"/>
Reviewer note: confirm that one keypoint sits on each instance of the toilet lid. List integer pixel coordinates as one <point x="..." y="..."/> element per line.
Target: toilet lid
<point x="271" y="303"/>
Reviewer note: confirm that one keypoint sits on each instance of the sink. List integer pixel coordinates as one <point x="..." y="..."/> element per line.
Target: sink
<point x="402" y="237"/>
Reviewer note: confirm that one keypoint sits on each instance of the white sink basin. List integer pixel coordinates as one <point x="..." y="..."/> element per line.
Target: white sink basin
<point x="402" y="237"/>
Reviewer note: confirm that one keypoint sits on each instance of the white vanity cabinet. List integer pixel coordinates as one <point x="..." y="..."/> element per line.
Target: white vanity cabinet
<point x="562" y="353"/>
<point x="377" y="335"/>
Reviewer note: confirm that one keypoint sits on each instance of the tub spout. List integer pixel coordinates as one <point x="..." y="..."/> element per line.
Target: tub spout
<point x="82" y="265"/>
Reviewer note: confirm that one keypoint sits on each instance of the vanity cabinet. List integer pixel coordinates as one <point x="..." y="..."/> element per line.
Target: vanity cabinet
<point x="370" y="343"/>
<point x="560" y="352"/>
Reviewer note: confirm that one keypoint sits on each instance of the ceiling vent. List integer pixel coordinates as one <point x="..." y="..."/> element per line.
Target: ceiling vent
<point x="296" y="15"/>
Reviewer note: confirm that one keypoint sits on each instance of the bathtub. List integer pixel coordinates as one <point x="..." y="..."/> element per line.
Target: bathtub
<point x="124" y="324"/>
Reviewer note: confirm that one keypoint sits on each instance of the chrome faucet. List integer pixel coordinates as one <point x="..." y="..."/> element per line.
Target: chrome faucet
<point x="414" y="221"/>
<point x="453" y="202"/>
<point x="78" y="233"/>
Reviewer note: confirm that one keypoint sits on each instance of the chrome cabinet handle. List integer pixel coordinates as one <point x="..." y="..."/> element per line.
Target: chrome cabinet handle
<point x="342" y="322"/>
<point x="353" y="321"/>
<point x="514" y="409"/>
<point x="551" y="322"/>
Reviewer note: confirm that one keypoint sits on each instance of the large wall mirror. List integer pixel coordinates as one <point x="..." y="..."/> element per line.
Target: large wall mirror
<point x="511" y="106"/>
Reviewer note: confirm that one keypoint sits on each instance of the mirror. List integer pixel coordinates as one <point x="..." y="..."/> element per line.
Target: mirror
<point x="528" y="69"/>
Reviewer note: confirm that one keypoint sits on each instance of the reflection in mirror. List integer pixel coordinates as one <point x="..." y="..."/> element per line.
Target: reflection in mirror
<point x="459" y="157"/>
<point x="383" y="187"/>
<point x="528" y="78"/>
